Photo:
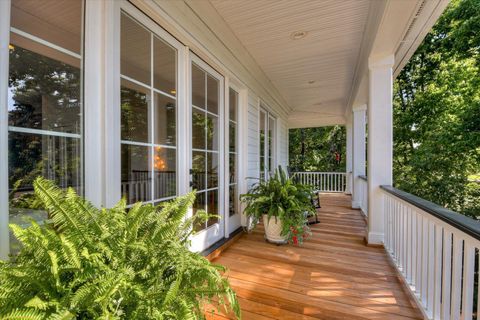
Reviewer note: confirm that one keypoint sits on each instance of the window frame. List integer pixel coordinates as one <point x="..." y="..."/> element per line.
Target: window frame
<point x="156" y="31"/>
<point x="269" y="132"/>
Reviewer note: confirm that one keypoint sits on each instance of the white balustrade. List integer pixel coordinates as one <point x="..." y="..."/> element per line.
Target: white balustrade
<point x="436" y="251"/>
<point x="323" y="181"/>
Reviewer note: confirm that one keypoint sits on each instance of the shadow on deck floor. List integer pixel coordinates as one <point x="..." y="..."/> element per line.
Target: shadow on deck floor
<point x="332" y="276"/>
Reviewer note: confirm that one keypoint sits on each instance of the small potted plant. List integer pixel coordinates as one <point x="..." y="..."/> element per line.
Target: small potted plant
<point x="282" y="205"/>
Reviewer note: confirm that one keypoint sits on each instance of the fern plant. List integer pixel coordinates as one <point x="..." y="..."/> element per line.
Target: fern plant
<point x="90" y="263"/>
<point x="281" y="197"/>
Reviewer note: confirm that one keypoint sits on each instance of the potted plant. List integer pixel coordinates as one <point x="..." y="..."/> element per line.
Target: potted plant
<point x="282" y="205"/>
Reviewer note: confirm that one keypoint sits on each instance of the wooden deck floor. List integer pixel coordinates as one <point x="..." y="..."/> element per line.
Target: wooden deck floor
<point x="332" y="276"/>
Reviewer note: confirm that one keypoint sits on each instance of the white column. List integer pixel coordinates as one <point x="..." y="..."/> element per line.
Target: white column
<point x="94" y="103"/>
<point x="4" y="53"/>
<point x="359" y="145"/>
<point x="349" y="155"/>
<point x="380" y="142"/>
<point x="102" y="101"/>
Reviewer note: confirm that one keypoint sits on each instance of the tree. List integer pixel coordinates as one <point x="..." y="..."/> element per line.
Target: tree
<point x="317" y="149"/>
<point x="436" y="113"/>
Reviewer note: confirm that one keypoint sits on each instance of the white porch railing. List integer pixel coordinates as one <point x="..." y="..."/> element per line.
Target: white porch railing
<point x="435" y="251"/>
<point x="324" y="181"/>
<point x="363" y="194"/>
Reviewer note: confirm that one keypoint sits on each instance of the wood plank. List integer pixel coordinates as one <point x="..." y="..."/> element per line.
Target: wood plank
<point x="332" y="276"/>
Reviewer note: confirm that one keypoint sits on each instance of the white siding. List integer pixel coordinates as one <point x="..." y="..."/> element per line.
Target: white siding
<point x="282" y="138"/>
<point x="253" y="167"/>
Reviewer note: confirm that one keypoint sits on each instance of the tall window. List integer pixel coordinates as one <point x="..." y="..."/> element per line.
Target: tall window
<point x="205" y="142"/>
<point x="267" y="144"/>
<point x="232" y="152"/>
<point x="45" y="111"/>
<point x="148" y="115"/>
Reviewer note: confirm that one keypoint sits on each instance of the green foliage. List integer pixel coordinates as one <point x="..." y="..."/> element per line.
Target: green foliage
<point x="436" y="113"/>
<point x="90" y="263"/>
<point x="313" y="149"/>
<point x="284" y="199"/>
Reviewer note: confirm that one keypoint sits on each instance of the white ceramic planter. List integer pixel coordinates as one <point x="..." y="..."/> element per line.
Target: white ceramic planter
<point x="273" y="230"/>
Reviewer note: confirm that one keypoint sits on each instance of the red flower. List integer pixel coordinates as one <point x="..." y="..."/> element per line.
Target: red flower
<point x="295" y="240"/>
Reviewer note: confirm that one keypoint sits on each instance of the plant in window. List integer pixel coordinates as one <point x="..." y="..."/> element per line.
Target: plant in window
<point x="90" y="263"/>
<point x="283" y="205"/>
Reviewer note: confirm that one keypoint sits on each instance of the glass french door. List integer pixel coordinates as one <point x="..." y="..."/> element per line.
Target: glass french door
<point x="207" y="151"/>
<point x="267" y="144"/>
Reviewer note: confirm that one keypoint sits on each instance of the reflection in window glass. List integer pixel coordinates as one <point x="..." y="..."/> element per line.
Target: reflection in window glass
<point x="164" y="60"/>
<point x="212" y="132"/>
<point x="148" y="112"/>
<point x="262" y="143"/>
<point x="136" y="173"/>
<point x="199" y="204"/>
<point x="205" y="139"/>
<point x="198" y="170"/>
<point x="44" y="102"/>
<point x="198" y="129"/>
<point x="165" y="117"/>
<point x="165" y="172"/>
<point x="198" y="87"/>
<point x="212" y="94"/>
<point x="135" y="51"/>
<point x="134" y="112"/>
<point x="212" y="206"/>
<point x="232" y="152"/>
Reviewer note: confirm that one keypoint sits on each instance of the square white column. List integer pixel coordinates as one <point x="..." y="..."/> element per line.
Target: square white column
<point x="4" y="53"/>
<point x="349" y="156"/>
<point x="380" y="142"/>
<point x="359" y="154"/>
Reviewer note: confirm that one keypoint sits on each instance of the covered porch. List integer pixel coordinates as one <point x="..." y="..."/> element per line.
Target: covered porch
<point x="334" y="275"/>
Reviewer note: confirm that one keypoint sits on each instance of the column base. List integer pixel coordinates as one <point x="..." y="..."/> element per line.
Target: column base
<point x="355" y="205"/>
<point x="375" y="239"/>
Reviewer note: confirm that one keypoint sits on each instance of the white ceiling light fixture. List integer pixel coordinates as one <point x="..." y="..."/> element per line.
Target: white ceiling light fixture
<point x="297" y="35"/>
<point x="311" y="81"/>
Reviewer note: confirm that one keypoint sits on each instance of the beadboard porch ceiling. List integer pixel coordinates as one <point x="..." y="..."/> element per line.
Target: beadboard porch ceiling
<point x="313" y="74"/>
<point x="321" y="74"/>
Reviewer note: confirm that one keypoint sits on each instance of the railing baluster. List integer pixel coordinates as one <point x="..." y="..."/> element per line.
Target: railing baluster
<point x="447" y="274"/>
<point x="437" y="272"/>
<point x="424" y="261"/>
<point x="414" y="248"/>
<point x="431" y="269"/>
<point x="468" y="280"/>
<point x="456" y="277"/>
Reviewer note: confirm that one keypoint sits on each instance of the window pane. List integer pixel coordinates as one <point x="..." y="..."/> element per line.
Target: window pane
<point x="212" y="206"/>
<point x="212" y="170"/>
<point x="165" y="170"/>
<point x="56" y="21"/>
<point x="165" y="117"/>
<point x="135" y="122"/>
<point x="198" y="170"/>
<point x="198" y="129"/>
<point x="198" y="87"/>
<point x="232" y="136"/>
<point x="136" y="174"/>
<point x="135" y="50"/>
<point x="212" y="94"/>
<point x="199" y="204"/>
<point x="212" y="132"/>
<point x="43" y="93"/>
<point x="164" y="64"/>
<point x="232" y="192"/>
<point x="232" y="167"/>
<point x="32" y="155"/>
<point x="233" y="104"/>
